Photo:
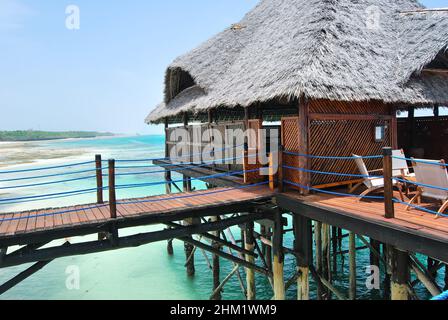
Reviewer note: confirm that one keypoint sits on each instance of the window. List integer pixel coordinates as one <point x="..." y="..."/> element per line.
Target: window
<point x="380" y="133"/>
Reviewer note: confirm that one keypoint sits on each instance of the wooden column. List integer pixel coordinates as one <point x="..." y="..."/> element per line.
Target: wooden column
<point x="277" y="243"/>
<point x="168" y="180"/>
<point x="394" y="128"/>
<point x="389" y="209"/>
<point x="436" y="111"/>
<point x="411" y="125"/>
<point x="334" y="242"/>
<point x="400" y="275"/>
<point x="446" y="277"/>
<point x="318" y="240"/>
<point x="250" y="273"/>
<point x="304" y="162"/>
<point x="374" y="258"/>
<point x="216" y="264"/>
<point x="352" y="276"/>
<point x="99" y="179"/>
<point x="326" y="271"/>
<point x="303" y="245"/>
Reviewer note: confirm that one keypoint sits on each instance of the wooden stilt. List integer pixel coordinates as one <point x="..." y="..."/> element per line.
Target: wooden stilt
<point x="388" y="275"/>
<point x="400" y="275"/>
<point x="269" y="248"/>
<point x="318" y="240"/>
<point x="250" y="274"/>
<point x="352" y="276"/>
<point x="279" y="283"/>
<point x="425" y="279"/>
<point x="446" y="278"/>
<point x="303" y="246"/>
<point x="188" y="247"/>
<point x="326" y="273"/>
<point x="169" y="247"/>
<point x="216" y="266"/>
<point x="22" y="276"/>
<point x="374" y="258"/>
<point x="334" y="242"/>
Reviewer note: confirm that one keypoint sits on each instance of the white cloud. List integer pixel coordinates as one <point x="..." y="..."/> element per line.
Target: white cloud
<point x="13" y="14"/>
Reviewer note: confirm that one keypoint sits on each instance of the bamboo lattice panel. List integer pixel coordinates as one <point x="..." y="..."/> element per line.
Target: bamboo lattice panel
<point x="290" y="141"/>
<point x="343" y="138"/>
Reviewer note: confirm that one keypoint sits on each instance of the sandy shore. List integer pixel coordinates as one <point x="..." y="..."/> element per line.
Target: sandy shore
<point x="13" y="154"/>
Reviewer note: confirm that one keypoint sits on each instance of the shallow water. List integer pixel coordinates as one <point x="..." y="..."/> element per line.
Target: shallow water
<point x="146" y="272"/>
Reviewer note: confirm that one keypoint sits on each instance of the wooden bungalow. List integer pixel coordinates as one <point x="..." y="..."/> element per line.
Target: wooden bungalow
<point x="333" y="73"/>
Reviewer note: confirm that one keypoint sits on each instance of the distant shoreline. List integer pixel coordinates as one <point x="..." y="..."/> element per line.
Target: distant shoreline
<point x="35" y="136"/>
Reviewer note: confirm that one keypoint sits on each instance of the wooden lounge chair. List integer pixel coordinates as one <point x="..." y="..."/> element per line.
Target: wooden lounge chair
<point x="400" y="165"/>
<point x="372" y="183"/>
<point x="434" y="173"/>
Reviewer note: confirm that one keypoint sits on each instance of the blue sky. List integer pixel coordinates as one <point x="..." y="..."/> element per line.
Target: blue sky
<point x="107" y="75"/>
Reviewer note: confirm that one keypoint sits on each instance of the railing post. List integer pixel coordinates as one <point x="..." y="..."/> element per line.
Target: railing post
<point x="280" y="169"/>
<point x="112" y="194"/>
<point x="388" y="184"/>
<point x="99" y="179"/>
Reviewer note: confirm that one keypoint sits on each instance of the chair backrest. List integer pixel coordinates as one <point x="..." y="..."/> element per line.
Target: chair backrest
<point x="434" y="173"/>
<point x="399" y="164"/>
<point x="363" y="170"/>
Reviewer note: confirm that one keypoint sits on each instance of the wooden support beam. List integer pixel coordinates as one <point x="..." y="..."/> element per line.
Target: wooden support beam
<point x="436" y="111"/>
<point x="411" y="126"/>
<point x="3" y="252"/>
<point x="427" y="281"/>
<point x="250" y="275"/>
<point x="400" y="275"/>
<point x="279" y="282"/>
<point x="124" y="242"/>
<point x="326" y="270"/>
<point x="389" y="208"/>
<point x="22" y="276"/>
<point x="99" y="179"/>
<point x="216" y="265"/>
<point x="218" y="289"/>
<point x="304" y="162"/>
<point x="352" y="275"/>
<point x="334" y="248"/>
<point x="227" y="256"/>
<point x="303" y="246"/>
<point x="318" y="241"/>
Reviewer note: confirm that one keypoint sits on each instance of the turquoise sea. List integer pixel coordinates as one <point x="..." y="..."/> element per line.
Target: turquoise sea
<point x="146" y="272"/>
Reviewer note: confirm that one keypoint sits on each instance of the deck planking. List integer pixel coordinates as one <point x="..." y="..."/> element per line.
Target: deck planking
<point x="413" y="219"/>
<point x="46" y="220"/>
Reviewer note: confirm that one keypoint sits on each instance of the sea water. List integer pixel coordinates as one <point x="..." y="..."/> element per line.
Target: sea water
<point x="146" y="272"/>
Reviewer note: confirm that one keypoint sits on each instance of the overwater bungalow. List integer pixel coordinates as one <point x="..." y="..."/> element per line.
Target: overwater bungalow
<point x="341" y="81"/>
<point x="335" y="73"/>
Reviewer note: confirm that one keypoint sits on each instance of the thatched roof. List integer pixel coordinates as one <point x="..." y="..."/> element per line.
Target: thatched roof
<point x="323" y="49"/>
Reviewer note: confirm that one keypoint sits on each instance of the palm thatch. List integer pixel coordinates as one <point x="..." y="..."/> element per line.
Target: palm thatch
<point x="345" y="50"/>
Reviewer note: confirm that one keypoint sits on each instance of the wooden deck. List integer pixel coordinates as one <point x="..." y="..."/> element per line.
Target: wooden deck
<point x="367" y="218"/>
<point x="157" y="209"/>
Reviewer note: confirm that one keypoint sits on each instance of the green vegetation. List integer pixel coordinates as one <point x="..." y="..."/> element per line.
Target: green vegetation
<point x="31" y="135"/>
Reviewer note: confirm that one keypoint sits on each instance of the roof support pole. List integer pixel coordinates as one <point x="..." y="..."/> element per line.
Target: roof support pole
<point x="436" y="111"/>
<point x="304" y="130"/>
<point x="411" y="124"/>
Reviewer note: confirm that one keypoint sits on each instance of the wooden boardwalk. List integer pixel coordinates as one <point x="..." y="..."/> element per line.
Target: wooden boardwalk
<point x="129" y="212"/>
